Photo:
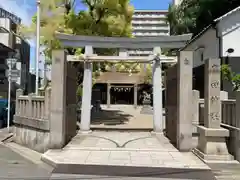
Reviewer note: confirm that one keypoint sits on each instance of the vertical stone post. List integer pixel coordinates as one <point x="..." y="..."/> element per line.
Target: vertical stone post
<point x="30" y="106"/>
<point x="223" y="95"/>
<point x="211" y="143"/>
<point x="184" y="101"/>
<point x="108" y="95"/>
<point x="195" y="110"/>
<point x="123" y="53"/>
<point x="47" y="100"/>
<point x="135" y="95"/>
<point x="237" y="150"/>
<point x="212" y="101"/>
<point x="19" y="92"/>
<point x="157" y="92"/>
<point x="87" y="93"/>
<point x="58" y="100"/>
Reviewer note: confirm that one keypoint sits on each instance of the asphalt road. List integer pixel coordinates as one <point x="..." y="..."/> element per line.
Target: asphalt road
<point x="14" y="166"/>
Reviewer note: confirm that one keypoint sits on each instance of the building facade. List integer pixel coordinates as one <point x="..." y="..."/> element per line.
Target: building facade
<point x="9" y="38"/>
<point x="218" y="40"/>
<point x="148" y="23"/>
<point x="177" y="2"/>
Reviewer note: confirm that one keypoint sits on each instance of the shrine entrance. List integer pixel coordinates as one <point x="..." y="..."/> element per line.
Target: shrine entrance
<point x="123" y="44"/>
<point x="122" y="94"/>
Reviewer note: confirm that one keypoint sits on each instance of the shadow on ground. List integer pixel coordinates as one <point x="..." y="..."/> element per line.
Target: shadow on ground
<point x="108" y="117"/>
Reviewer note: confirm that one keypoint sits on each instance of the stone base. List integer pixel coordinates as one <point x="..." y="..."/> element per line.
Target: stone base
<point x="157" y="132"/>
<point x="84" y="132"/>
<point x="212" y="145"/>
<point x="146" y="109"/>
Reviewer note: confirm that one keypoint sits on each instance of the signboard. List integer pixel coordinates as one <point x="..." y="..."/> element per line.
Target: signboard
<point x="6" y="14"/>
<point x="11" y="61"/>
<point x="14" y="73"/>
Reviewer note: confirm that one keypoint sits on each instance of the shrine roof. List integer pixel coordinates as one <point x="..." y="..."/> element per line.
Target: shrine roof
<point x="120" y="78"/>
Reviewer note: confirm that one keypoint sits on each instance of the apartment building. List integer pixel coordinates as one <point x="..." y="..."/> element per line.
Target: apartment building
<point x="148" y="23"/>
<point x="177" y="2"/>
<point x="9" y="38"/>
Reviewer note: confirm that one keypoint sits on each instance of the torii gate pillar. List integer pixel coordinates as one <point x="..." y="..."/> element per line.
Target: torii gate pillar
<point x="157" y="92"/>
<point x="87" y="94"/>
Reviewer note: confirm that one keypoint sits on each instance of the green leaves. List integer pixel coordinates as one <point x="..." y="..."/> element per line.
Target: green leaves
<point x="229" y="75"/>
<point x="191" y="16"/>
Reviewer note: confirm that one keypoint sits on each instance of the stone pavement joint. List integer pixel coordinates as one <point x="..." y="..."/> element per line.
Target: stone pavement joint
<point x="141" y="150"/>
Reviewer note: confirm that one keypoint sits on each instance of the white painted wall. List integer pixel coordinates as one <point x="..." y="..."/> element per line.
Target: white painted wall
<point x="209" y="44"/>
<point x="229" y="30"/>
<point x="177" y="2"/>
<point x="5" y="37"/>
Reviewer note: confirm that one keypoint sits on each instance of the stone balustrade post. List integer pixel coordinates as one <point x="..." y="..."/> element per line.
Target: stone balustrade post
<point x="47" y="103"/>
<point x="30" y="106"/>
<point x="19" y="92"/>
<point x="223" y="95"/>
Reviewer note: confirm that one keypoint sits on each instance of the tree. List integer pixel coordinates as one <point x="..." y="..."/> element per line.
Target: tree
<point x="230" y="76"/>
<point x="102" y="18"/>
<point x="191" y="16"/>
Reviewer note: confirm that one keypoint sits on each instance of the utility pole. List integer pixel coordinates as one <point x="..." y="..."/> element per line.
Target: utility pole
<point x="37" y="46"/>
<point x="10" y="61"/>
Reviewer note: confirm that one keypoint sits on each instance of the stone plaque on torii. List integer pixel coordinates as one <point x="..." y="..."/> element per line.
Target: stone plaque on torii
<point x="156" y="43"/>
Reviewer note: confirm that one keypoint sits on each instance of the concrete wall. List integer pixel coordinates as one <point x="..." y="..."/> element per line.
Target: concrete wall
<point x="204" y="47"/>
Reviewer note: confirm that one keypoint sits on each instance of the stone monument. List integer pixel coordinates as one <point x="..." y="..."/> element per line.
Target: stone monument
<point x="211" y="143"/>
<point x="146" y="109"/>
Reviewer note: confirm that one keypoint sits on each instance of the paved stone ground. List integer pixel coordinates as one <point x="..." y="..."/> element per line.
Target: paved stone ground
<point x="126" y="154"/>
<point x="121" y="117"/>
<point x="226" y="171"/>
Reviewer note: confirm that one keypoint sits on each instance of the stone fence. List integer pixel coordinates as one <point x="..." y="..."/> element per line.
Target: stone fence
<point x="32" y="120"/>
<point x="230" y="112"/>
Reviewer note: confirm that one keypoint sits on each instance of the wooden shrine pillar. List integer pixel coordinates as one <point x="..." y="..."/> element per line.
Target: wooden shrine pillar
<point x="135" y="95"/>
<point x="108" y="95"/>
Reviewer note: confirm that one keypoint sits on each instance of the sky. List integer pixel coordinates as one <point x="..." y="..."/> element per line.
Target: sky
<point x="25" y="9"/>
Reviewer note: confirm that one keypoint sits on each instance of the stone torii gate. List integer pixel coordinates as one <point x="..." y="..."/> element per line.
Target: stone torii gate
<point x="89" y="42"/>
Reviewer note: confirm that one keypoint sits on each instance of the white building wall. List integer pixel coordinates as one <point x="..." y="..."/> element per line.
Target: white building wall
<point x="4" y="36"/>
<point x="177" y="2"/>
<point x="206" y="46"/>
<point x="229" y="30"/>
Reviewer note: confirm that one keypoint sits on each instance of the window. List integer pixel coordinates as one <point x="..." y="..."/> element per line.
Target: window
<point x="202" y="56"/>
<point x="2" y="72"/>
